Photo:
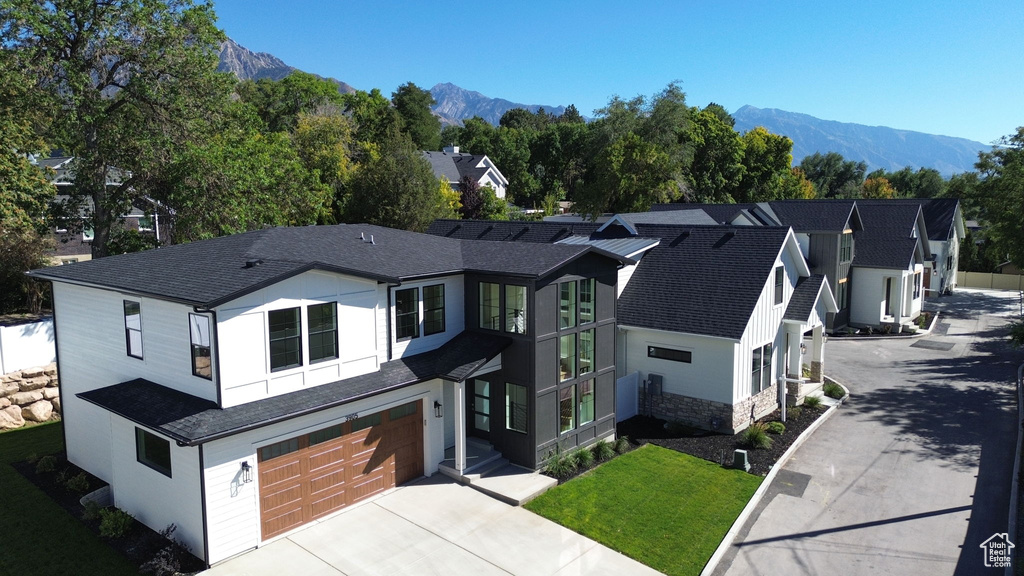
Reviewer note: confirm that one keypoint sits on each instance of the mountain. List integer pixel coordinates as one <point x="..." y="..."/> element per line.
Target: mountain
<point x="456" y="104"/>
<point x="249" y="65"/>
<point x="877" y="146"/>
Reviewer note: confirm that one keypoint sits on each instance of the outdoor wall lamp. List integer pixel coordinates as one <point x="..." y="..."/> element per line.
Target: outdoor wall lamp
<point x="803" y="348"/>
<point x="246" y="472"/>
<point x="438" y="409"/>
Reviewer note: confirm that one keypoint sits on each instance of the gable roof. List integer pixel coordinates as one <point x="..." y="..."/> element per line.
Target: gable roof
<point x="886" y="252"/>
<point x="210" y="272"/>
<point x="940" y="215"/>
<point x="510" y="230"/>
<point x="805" y="216"/>
<point x="885" y="218"/>
<point x="805" y="296"/>
<point x="454" y="166"/>
<point x="190" y="420"/>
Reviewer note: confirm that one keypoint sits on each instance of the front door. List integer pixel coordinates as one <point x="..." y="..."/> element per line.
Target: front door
<point x="479" y="406"/>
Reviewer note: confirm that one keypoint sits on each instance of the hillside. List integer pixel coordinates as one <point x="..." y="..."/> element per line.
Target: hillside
<point x="878" y="146"/>
<point x="455" y="104"/>
<point x="249" y="65"/>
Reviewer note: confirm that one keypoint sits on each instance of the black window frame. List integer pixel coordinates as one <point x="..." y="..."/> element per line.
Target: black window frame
<point x="780" y="281"/>
<point x="414" y="300"/>
<point x="516" y="411"/>
<point x="580" y="395"/>
<point x="129" y="330"/>
<point x="510" y="317"/>
<point x="591" y="283"/>
<point x="319" y="332"/>
<point x="670" y="354"/>
<point x="846" y="247"/>
<point x="568" y="355"/>
<point x="436" y="325"/>
<point x="843" y="294"/>
<point x="568" y="315"/>
<point x="488" y="321"/>
<point x="592" y="337"/>
<point x="153" y="451"/>
<point x="296" y="337"/>
<point x="761" y="368"/>
<point x="199" y="350"/>
<point x="567" y="409"/>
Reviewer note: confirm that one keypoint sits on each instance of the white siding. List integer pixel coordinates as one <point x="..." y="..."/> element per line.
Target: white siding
<point x="708" y="376"/>
<point x="804" y="240"/>
<point x="154" y="499"/>
<point x="233" y="516"/>
<point x="454" y="313"/>
<point x="244" y="340"/>
<point x="624" y="275"/>
<point x="867" y="304"/>
<point x="26" y="345"/>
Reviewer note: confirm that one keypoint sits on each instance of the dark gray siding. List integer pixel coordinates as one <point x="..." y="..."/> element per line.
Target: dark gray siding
<point x="823" y="258"/>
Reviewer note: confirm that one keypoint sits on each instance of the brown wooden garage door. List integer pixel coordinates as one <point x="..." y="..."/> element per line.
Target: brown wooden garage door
<point x="309" y="476"/>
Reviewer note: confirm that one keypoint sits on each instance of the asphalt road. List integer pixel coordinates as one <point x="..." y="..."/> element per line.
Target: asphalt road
<point x="913" y="473"/>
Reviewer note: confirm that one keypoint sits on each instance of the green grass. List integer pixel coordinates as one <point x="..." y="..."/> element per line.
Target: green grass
<point x="665" y="509"/>
<point x="39" y="536"/>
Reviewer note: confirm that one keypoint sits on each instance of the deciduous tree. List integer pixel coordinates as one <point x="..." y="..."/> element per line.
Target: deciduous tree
<point x="1001" y="185"/>
<point x="413" y="105"/>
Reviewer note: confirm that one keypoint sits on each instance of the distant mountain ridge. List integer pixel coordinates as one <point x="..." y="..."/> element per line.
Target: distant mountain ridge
<point x="455" y="104"/>
<point x="249" y="65"/>
<point x="877" y="146"/>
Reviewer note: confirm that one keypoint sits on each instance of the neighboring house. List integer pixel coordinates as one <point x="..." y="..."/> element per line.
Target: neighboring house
<point x="710" y="317"/>
<point x="454" y="165"/>
<point x="243" y="386"/>
<point x="825" y="230"/>
<point x="946" y="229"/>
<point x="888" y="269"/>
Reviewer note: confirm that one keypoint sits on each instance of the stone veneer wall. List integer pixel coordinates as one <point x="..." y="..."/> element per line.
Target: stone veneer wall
<point x="29" y="394"/>
<point x="699" y="413"/>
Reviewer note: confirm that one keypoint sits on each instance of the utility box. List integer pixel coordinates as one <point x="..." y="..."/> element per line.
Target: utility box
<point x="740" y="461"/>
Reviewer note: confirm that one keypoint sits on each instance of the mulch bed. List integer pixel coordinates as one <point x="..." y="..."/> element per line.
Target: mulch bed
<point x="716" y="447"/>
<point x="141" y="543"/>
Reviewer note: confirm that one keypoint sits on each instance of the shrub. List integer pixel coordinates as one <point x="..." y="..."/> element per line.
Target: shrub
<point x="776" y="427"/>
<point x="603" y="450"/>
<point x="46" y="464"/>
<point x="756" y="436"/>
<point x="812" y="401"/>
<point x="168" y="561"/>
<point x="622" y="444"/>
<point x="1017" y="333"/>
<point x="561" y="464"/>
<point x="78" y="484"/>
<point x="92" y="510"/>
<point x="584" y="458"/>
<point x="833" y="390"/>
<point x="794" y="411"/>
<point x="115" y="523"/>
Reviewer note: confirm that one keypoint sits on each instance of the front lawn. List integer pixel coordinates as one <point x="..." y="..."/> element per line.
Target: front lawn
<point x="39" y="536"/>
<point x="665" y="509"/>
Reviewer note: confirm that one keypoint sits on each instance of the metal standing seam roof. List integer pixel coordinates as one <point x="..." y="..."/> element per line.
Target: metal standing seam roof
<point x="622" y="246"/>
<point x="190" y="420"/>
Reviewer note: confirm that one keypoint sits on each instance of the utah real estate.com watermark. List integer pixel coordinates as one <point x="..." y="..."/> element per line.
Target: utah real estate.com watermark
<point x="997" y="550"/>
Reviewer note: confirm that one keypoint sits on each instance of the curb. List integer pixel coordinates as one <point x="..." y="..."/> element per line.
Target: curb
<point x="918" y="334"/>
<point x="734" y="530"/>
<point x="1011" y="523"/>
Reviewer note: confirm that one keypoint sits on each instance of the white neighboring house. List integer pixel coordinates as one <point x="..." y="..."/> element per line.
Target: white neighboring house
<point x="889" y="265"/>
<point x="454" y="165"/>
<point x="945" y="223"/>
<point x="243" y="386"/>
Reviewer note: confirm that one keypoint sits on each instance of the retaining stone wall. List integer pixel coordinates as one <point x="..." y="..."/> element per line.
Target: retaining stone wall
<point x="697" y="412"/>
<point x="29" y="395"/>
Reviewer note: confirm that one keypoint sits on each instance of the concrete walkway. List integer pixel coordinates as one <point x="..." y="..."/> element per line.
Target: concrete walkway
<point x="433" y="526"/>
<point x="913" y="473"/>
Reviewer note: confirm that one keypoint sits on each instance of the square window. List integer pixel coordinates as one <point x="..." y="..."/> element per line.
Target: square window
<point x="516" y="415"/>
<point x="586" y="402"/>
<point x="364" y="422"/>
<point x="515" y="309"/>
<point x="433" y="309"/>
<point x="153" y="451"/>
<point x="323" y="331"/>
<point x="285" y="338"/>
<point x="566" y="409"/>
<point x="587" y="294"/>
<point x="586" y="351"/>
<point x="407" y="313"/>
<point x="567" y="357"/>
<point x="490" y="306"/>
<point x="133" y="328"/>
<point x="567" y="305"/>
<point x="199" y="332"/>
<point x="321" y="436"/>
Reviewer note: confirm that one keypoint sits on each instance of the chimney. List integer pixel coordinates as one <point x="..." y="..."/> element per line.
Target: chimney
<point x="451" y="149"/>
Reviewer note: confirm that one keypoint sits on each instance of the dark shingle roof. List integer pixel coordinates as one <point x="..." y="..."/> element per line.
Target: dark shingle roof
<point x="806" y="216"/>
<point x="720" y="213"/>
<point x="211" y="272"/>
<point x="885" y="252"/>
<point x="939" y="214"/>
<point x="191" y="420"/>
<point x="700" y="279"/>
<point x="511" y="230"/>
<point x="805" y="296"/>
<point x="887" y="218"/>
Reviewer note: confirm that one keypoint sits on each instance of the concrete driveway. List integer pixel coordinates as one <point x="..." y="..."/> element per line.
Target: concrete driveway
<point x="434" y="526"/>
<point x="913" y="473"/>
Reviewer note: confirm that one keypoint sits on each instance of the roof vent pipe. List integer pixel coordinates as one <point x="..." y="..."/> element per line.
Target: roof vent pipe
<point x="371" y="239"/>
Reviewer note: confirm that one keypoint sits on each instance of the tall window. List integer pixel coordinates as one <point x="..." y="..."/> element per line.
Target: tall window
<point x="407" y="313"/>
<point x="567" y="357"/>
<point x="515" y="407"/>
<point x="846" y="247"/>
<point x="780" y="275"/>
<point x="587" y="295"/>
<point x="323" y="331"/>
<point x="285" y="338"/>
<point x="566" y="409"/>
<point x="586" y="402"/>
<point x="199" y="327"/>
<point x="567" y="305"/>
<point x="515" y="309"/>
<point x="153" y="451"/>
<point x="843" y="293"/>
<point x="490" y="306"/>
<point x="761" y="373"/>
<point x="917" y="285"/>
<point x="133" y="328"/>
<point x="586" y="351"/>
<point x="433" y="309"/>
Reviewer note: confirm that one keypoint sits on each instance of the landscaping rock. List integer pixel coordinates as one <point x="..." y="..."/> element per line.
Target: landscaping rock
<point x="26" y="398"/>
<point x="38" y="411"/>
<point x="35" y="383"/>
<point x="9" y="388"/>
<point x="32" y="372"/>
<point x="10" y="417"/>
<point x="56" y="405"/>
<point x="50" y="369"/>
<point x="50" y="393"/>
<point x="5" y="402"/>
<point x="52" y="382"/>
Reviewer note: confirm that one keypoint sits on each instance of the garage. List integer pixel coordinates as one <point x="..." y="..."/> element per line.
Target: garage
<point x="309" y="476"/>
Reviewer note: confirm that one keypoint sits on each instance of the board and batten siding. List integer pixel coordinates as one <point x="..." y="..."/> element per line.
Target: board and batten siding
<point x="150" y="496"/>
<point x="243" y="337"/>
<point x="708" y="376"/>
<point x="454" y="316"/>
<point x="93" y="354"/>
<point x="232" y="507"/>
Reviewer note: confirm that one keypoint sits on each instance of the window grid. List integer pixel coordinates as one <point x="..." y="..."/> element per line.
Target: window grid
<point x="586" y="363"/>
<point x="587" y="296"/>
<point x="566" y="409"/>
<point x="323" y="331"/>
<point x="586" y="402"/>
<point x="566" y="357"/>
<point x="567" y="305"/>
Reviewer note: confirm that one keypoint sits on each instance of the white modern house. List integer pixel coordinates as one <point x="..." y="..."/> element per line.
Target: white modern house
<point x="945" y="224"/>
<point x="455" y="165"/>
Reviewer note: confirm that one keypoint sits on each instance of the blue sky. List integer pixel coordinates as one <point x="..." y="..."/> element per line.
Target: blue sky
<point x="951" y="68"/>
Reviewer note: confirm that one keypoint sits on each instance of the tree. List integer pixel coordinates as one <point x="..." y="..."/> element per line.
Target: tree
<point x="25" y="190"/>
<point x="571" y="116"/>
<point x="280" y="102"/>
<point x="413" y="106"/>
<point x="1001" y="185"/>
<point x="717" y="168"/>
<point x="632" y="175"/>
<point x="924" y="183"/>
<point x="796" y="186"/>
<point x="373" y="114"/>
<point x="832" y="175"/>
<point x="767" y="159"/>
<point x="125" y="82"/>
<point x="964" y="187"/>
<point x="877" y="188"/>
<point x="480" y="202"/>
<point x="523" y="119"/>
<point x="21" y="249"/>
<point x="325" y="144"/>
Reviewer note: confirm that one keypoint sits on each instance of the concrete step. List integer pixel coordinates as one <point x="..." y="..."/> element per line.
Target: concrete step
<point x="475" y="473"/>
<point x="513" y="484"/>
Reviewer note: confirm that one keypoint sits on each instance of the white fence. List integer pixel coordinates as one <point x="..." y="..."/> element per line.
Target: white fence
<point x="26" y="345"/>
<point x="627" y="397"/>
<point x="990" y="281"/>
